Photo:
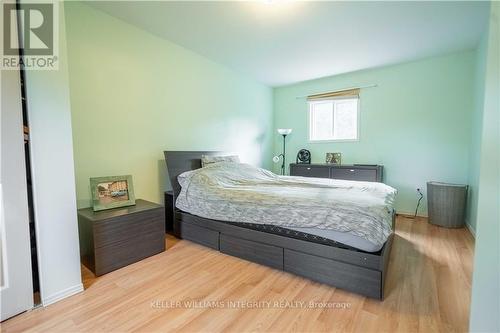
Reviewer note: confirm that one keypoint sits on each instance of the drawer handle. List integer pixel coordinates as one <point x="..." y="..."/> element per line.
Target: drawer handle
<point x="308" y="168"/>
<point x="352" y="170"/>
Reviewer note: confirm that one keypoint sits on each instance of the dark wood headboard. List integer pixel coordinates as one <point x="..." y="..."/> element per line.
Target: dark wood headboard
<point x="182" y="161"/>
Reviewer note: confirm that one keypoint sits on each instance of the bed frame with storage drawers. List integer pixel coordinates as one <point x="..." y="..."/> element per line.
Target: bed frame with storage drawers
<point x="346" y="268"/>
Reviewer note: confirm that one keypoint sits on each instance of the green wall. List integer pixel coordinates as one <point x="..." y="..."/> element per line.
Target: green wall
<point x="476" y="130"/>
<point x="416" y="122"/>
<point x="485" y="305"/>
<point x="134" y="95"/>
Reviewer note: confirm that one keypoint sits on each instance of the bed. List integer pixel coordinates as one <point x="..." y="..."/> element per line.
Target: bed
<point x="279" y="244"/>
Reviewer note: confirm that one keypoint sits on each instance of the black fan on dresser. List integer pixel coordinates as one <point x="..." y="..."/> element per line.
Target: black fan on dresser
<point x="304" y="156"/>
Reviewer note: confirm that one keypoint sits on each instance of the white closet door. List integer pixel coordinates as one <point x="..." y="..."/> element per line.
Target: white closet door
<point x="16" y="289"/>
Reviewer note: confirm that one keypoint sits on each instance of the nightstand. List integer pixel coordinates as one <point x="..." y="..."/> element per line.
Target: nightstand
<point x="114" y="238"/>
<point x="171" y="226"/>
<point x="169" y="211"/>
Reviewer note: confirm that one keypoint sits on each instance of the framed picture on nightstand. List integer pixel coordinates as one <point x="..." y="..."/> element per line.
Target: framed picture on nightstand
<point x="112" y="192"/>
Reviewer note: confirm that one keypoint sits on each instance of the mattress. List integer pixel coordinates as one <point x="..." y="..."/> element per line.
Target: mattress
<point x="358" y="214"/>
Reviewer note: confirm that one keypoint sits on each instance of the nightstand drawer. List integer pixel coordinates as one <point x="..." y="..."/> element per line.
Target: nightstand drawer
<point x="368" y="175"/>
<point x="129" y="228"/>
<point x="309" y="171"/>
<point x="126" y="252"/>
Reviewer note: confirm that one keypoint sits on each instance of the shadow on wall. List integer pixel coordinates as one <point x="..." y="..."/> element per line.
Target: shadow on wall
<point x="243" y="137"/>
<point x="87" y="202"/>
<point x="247" y="139"/>
<point x="248" y="147"/>
<point x="163" y="180"/>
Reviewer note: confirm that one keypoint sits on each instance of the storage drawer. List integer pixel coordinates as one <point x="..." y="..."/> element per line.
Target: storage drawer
<point x="268" y="255"/>
<point x="200" y="235"/>
<point x="125" y="252"/>
<point x="368" y="175"/>
<point x="133" y="226"/>
<point x="309" y="171"/>
<point x="345" y="276"/>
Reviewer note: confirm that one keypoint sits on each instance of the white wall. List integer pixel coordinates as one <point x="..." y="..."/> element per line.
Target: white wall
<point x="485" y="305"/>
<point x="53" y="177"/>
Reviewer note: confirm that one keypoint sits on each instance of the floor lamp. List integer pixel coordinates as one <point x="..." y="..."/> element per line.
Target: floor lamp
<point x="284" y="132"/>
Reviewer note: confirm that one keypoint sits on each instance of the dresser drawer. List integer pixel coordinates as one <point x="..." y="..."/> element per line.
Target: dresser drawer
<point x="309" y="171"/>
<point x="368" y="175"/>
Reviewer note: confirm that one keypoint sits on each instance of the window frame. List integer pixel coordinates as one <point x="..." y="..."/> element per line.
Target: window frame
<point x="309" y="112"/>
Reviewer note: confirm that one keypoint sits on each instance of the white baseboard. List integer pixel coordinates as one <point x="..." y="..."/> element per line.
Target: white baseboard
<point x="471" y="230"/>
<point x="410" y="214"/>
<point x="62" y="294"/>
<point x="467" y="225"/>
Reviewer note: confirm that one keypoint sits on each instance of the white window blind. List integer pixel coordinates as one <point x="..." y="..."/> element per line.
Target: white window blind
<point x="334" y="119"/>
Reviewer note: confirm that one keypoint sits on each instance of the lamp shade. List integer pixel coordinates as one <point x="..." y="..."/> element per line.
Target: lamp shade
<point x="284" y="131"/>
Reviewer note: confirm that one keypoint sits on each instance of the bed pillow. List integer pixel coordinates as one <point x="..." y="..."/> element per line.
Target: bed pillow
<point x="207" y="159"/>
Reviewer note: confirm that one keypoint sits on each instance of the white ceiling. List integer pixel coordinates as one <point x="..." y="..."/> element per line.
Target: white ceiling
<point x="282" y="42"/>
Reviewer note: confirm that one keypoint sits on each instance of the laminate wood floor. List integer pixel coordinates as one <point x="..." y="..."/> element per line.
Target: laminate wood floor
<point x="190" y="288"/>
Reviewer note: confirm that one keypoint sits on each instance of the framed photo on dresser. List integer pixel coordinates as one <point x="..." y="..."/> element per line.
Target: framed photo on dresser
<point x="334" y="158"/>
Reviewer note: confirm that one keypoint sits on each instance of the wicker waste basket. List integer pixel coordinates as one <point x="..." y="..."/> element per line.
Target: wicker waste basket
<point x="446" y="204"/>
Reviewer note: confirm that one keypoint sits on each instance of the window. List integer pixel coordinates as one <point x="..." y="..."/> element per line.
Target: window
<point x="333" y="119"/>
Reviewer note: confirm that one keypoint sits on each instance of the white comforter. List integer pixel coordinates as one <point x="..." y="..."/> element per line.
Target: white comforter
<point x="237" y="192"/>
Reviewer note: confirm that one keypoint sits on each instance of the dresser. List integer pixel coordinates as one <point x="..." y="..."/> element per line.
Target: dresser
<point x="368" y="173"/>
<point x="114" y="238"/>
